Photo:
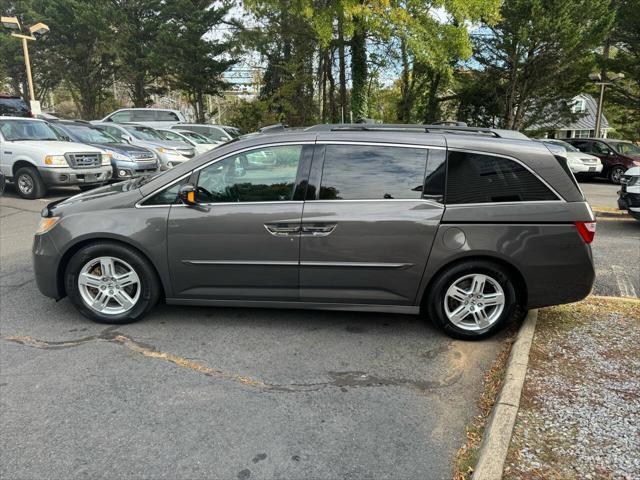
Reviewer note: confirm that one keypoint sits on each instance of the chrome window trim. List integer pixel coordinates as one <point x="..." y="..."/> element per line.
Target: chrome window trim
<point x="215" y="160"/>
<point x="544" y="182"/>
<point x="385" y="200"/>
<point x="493" y="204"/>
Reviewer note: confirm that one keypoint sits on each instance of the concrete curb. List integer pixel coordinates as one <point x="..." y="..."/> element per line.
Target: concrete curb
<point x="608" y="212"/>
<point x="497" y="435"/>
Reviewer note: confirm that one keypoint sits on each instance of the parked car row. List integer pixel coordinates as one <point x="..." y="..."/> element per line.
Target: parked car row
<point x="37" y="154"/>
<point x="602" y="157"/>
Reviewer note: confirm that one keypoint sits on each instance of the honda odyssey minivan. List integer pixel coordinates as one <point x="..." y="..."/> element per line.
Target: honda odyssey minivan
<point x="466" y="226"/>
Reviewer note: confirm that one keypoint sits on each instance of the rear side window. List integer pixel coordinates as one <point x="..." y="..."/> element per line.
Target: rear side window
<point x="164" y="116"/>
<point x="124" y="116"/>
<point x="143" y="116"/>
<point x="354" y="172"/>
<point x="478" y="178"/>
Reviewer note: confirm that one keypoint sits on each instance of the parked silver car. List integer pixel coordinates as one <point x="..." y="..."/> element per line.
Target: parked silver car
<point x="170" y="153"/>
<point x="461" y="224"/>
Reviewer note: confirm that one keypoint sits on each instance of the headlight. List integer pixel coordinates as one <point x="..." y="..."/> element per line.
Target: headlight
<point x="46" y="224"/>
<point x="636" y="163"/>
<point x="106" y="159"/>
<point x="56" y="161"/>
<point x="161" y="149"/>
<point x="119" y="156"/>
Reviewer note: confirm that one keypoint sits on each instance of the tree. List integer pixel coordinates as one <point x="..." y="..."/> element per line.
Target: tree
<point x="138" y="24"/>
<point x="622" y="105"/>
<point x="195" y="60"/>
<point x="539" y="55"/>
<point x="81" y="46"/>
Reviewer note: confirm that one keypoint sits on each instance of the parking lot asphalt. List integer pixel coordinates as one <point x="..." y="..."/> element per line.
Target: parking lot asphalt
<point x="237" y="393"/>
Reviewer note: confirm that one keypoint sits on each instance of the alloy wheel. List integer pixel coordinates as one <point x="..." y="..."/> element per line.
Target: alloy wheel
<point x="474" y="302"/>
<point x="25" y="184"/>
<point x="109" y="285"/>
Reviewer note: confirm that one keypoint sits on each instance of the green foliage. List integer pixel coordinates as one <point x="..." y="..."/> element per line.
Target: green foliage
<point x="537" y="57"/>
<point x="138" y="24"/>
<point x="194" y="60"/>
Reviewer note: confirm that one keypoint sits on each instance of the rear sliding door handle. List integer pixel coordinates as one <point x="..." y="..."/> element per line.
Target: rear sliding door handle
<point x="321" y="230"/>
<point x="282" y="229"/>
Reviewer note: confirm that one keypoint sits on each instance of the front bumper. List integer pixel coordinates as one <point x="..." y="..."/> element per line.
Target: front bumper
<point x="46" y="258"/>
<point x="123" y="170"/>
<point x="58" y="177"/>
<point x="582" y="168"/>
<point x="629" y="201"/>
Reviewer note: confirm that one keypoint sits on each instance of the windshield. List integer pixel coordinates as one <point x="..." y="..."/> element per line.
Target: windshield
<point x="567" y="146"/>
<point x="626" y="148"/>
<point x="85" y="134"/>
<point x="196" y="137"/>
<point x="15" y="130"/>
<point x="144" y="133"/>
<point x="172" y="136"/>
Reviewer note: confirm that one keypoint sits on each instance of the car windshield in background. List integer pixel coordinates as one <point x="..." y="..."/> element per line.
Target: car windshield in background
<point x="567" y="146"/>
<point x="144" y="133"/>
<point x="626" y="148"/>
<point x="89" y="134"/>
<point x="16" y="130"/>
<point x="196" y="137"/>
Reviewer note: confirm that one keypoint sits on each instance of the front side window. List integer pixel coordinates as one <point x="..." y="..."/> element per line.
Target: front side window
<point x="262" y="175"/>
<point x="168" y="196"/>
<point x="142" y="116"/>
<point x="365" y="172"/>
<point x="479" y="178"/>
<point x="599" y="147"/>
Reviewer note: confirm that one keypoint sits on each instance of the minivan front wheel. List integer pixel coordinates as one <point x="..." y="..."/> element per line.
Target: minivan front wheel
<point x="111" y="283"/>
<point x="616" y="173"/>
<point x="472" y="300"/>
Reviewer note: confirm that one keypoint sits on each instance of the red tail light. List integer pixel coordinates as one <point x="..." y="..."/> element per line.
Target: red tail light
<point x="587" y="230"/>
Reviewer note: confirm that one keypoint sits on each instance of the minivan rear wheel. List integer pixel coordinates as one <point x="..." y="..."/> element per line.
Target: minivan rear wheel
<point x="111" y="283"/>
<point x="472" y="300"/>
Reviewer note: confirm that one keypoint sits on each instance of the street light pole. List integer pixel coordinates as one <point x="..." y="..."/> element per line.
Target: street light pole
<point x="27" y="63"/>
<point x="599" y="110"/>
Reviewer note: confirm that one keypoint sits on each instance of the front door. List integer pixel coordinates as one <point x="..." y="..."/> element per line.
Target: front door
<point x="242" y="240"/>
<point x="368" y="230"/>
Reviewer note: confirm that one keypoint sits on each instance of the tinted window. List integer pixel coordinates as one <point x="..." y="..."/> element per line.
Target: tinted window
<point x="599" y="147"/>
<point x="476" y="178"/>
<point x="14" y="107"/>
<point x="263" y="175"/>
<point x="353" y="172"/>
<point x="436" y="175"/>
<point x="210" y="132"/>
<point x="582" y="146"/>
<point x="163" y="116"/>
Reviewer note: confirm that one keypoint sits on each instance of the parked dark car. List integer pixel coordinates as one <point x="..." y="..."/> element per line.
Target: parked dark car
<point x="12" y="106"/>
<point x="617" y="156"/>
<point x="461" y="224"/>
<point x="128" y="161"/>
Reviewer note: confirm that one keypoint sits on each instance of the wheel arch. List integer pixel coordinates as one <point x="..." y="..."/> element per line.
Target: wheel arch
<point x="519" y="282"/>
<point x="75" y="247"/>
<point x="21" y="163"/>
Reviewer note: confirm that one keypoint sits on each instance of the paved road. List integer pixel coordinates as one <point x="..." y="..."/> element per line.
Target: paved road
<point x="223" y="393"/>
<point x="600" y="192"/>
<point x="237" y="393"/>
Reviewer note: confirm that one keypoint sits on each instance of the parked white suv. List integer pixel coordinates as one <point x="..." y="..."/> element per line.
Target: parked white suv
<point x="150" y="117"/>
<point x="32" y="155"/>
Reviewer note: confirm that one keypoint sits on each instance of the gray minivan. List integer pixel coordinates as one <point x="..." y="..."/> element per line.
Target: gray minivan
<point x="468" y="226"/>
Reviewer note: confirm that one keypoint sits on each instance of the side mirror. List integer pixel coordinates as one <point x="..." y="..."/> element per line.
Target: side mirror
<point x="187" y="194"/>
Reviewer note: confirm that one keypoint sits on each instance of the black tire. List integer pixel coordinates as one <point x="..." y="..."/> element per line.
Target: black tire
<point x="615" y="174"/>
<point x="435" y="301"/>
<point x="150" y="287"/>
<point x="29" y="184"/>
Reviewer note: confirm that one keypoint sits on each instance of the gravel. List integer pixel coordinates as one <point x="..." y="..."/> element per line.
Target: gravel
<point x="580" y="414"/>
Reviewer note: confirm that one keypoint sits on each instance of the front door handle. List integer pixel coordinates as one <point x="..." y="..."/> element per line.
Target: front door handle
<point x="318" y="230"/>
<point x="282" y="229"/>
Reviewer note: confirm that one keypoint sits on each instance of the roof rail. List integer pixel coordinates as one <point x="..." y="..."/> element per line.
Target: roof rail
<point x="438" y="128"/>
<point x="273" y="128"/>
